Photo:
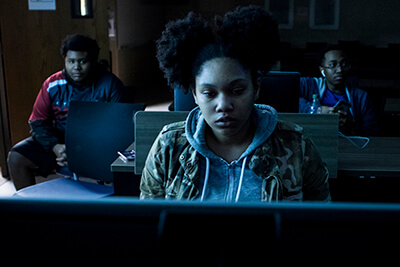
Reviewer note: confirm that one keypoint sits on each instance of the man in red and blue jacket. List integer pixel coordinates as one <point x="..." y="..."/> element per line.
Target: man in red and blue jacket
<point x="82" y="79"/>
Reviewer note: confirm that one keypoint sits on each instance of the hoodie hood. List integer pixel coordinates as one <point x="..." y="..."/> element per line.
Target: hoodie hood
<point x="265" y="118"/>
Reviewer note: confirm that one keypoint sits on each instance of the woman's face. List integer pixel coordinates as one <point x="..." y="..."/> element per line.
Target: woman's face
<point x="225" y="94"/>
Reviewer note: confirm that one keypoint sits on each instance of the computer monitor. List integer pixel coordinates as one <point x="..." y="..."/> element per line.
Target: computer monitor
<point x="280" y="90"/>
<point x="119" y="231"/>
<point x="95" y="132"/>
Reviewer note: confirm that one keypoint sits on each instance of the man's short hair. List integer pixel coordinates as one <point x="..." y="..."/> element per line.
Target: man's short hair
<point x="326" y="50"/>
<point x="78" y="42"/>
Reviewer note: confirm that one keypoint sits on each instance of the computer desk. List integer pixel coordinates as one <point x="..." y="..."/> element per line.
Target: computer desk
<point x="380" y="158"/>
<point x="321" y="128"/>
<point x="126" y="182"/>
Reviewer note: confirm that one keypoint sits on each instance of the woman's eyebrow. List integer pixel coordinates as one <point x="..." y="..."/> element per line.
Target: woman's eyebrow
<point x="210" y="85"/>
<point x="239" y="80"/>
<point x="207" y="85"/>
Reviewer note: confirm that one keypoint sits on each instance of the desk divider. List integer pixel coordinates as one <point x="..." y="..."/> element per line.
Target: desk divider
<point x="322" y="129"/>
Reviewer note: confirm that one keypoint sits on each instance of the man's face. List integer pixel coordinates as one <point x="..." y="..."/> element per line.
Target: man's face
<point x="78" y="65"/>
<point x="335" y="67"/>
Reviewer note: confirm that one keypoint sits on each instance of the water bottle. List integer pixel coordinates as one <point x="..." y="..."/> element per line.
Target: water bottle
<point x="315" y="106"/>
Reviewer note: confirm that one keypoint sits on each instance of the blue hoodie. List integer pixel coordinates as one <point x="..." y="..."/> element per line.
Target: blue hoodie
<point x="229" y="181"/>
<point x="361" y="112"/>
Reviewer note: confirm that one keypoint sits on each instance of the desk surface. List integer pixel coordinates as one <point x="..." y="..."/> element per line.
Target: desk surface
<point x="121" y="166"/>
<point x="380" y="157"/>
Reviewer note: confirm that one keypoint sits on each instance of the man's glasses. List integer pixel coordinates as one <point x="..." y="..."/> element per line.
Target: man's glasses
<point x="334" y="65"/>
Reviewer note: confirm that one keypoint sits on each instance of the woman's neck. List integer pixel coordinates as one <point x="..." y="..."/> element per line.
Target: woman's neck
<point x="230" y="148"/>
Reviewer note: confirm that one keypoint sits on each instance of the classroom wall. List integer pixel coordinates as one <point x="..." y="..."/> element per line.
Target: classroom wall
<point x="372" y="22"/>
<point x="140" y="23"/>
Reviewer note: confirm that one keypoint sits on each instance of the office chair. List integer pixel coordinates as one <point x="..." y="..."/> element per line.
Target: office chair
<point x="182" y="101"/>
<point x="95" y="132"/>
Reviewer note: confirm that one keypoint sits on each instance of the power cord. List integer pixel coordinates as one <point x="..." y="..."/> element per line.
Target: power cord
<point x="351" y="138"/>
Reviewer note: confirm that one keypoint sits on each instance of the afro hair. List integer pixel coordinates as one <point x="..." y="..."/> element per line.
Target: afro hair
<point x="247" y="34"/>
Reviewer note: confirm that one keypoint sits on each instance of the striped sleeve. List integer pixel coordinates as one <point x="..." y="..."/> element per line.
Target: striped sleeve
<point x="42" y="109"/>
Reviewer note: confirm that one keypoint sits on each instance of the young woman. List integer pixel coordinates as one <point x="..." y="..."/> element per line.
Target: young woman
<point x="228" y="149"/>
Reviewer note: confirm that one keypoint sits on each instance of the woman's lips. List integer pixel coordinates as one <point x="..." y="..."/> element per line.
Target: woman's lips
<point x="225" y="122"/>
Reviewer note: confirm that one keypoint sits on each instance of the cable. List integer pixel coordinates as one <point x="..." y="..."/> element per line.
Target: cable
<point x="349" y="138"/>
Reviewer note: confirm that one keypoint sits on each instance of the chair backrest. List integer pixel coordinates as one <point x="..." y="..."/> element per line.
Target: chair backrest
<point x="95" y="132"/>
<point x="279" y="89"/>
<point x="182" y="101"/>
<point x="322" y="129"/>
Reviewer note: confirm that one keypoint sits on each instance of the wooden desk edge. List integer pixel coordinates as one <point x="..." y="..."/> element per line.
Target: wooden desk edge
<point x="118" y="165"/>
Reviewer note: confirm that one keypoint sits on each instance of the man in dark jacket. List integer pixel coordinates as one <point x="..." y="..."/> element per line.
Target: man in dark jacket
<point x="82" y="79"/>
<point x="356" y="115"/>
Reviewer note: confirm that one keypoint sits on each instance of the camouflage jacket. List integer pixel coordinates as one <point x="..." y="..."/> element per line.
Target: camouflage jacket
<point x="288" y="163"/>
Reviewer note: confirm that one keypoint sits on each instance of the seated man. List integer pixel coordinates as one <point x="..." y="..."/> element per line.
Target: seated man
<point x="356" y="116"/>
<point x="82" y="79"/>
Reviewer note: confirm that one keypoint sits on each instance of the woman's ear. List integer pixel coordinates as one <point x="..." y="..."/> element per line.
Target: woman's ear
<point x="258" y="86"/>
<point x="193" y="90"/>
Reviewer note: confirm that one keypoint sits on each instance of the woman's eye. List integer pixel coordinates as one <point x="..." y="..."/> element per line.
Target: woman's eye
<point x="238" y="91"/>
<point x="208" y="93"/>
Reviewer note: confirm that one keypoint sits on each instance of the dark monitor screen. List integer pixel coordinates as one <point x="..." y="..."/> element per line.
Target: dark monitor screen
<point x="280" y="90"/>
<point x="95" y="132"/>
<point x="128" y="231"/>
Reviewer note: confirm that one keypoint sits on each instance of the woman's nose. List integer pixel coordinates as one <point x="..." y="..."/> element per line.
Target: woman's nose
<point x="224" y="103"/>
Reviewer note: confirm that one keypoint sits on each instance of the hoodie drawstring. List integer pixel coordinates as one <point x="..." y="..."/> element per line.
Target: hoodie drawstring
<point x="241" y="180"/>
<point x="208" y="174"/>
<point x="205" y="179"/>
